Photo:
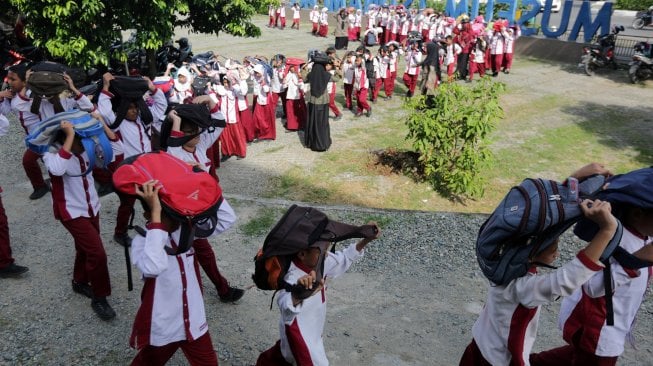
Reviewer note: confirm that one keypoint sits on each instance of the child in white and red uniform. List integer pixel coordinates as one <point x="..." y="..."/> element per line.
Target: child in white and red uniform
<point x="171" y="314"/>
<point x="232" y="139"/>
<point x="295" y="16"/>
<point x="451" y="57"/>
<point x="583" y="315"/>
<point x="135" y="137"/>
<point x="302" y="321"/>
<point x="413" y="59"/>
<point x="295" y="105"/>
<point x="506" y="328"/>
<point x="314" y="15"/>
<point x="8" y="267"/>
<point x="77" y="206"/>
<point x="361" y="86"/>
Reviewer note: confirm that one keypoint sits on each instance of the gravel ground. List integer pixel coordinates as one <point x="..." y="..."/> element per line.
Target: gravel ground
<point x="411" y="300"/>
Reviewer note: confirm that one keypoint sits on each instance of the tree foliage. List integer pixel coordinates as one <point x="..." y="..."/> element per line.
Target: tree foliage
<point x="633" y="4"/>
<point x="81" y="31"/>
<point x="449" y="131"/>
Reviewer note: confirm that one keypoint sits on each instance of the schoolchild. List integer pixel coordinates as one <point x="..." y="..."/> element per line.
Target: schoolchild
<point x="135" y="137"/>
<point x="77" y="206"/>
<point x="506" y="328"/>
<point x="18" y="100"/>
<point x="302" y="321"/>
<point x="477" y="62"/>
<point x="511" y="35"/>
<point x="8" y="266"/>
<point x="351" y="25"/>
<point x="245" y="117"/>
<point x="281" y="11"/>
<point x="232" y="138"/>
<point x="272" y="11"/>
<point x="372" y="69"/>
<point x="361" y="86"/>
<point x="295" y="105"/>
<point x="391" y="60"/>
<point x="357" y="23"/>
<point x="314" y="15"/>
<point x="296" y="15"/>
<point x="324" y="23"/>
<point x="451" y="57"/>
<point x="171" y="314"/>
<point x="182" y="91"/>
<point x="264" y="123"/>
<point x="348" y="78"/>
<point x="497" y="47"/>
<point x="336" y="75"/>
<point x="583" y="315"/>
<point x="277" y="89"/>
<point x="193" y="152"/>
<point x="413" y="62"/>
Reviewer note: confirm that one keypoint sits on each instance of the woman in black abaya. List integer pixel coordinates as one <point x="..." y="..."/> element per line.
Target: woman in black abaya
<point x="317" y="135"/>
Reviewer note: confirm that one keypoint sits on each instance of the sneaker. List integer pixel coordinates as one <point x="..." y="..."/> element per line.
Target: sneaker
<point x="39" y="192"/>
<point x="225" y="158"/>
<point x="102" y="308"/>
<point x="388" y="97"/>
<point x="233" y="295"/>
<point x="104" y="189"/>
<point x="369" y="113"/>
<point x="83" y="289"/>
<point x="12" y="270"/>
<point x="338" y="117"/>
<point x="123" y="239"/>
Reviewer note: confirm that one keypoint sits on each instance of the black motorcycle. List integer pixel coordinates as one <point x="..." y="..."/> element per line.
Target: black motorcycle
<point x="641" y="67"/>
<point x="601" y="53"/>
<point x="642" y="19"/>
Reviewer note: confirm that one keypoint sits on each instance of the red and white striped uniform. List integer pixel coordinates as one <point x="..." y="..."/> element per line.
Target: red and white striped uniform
<point x="21" y="105"/>
<point x="507" y="326"/>
<point x="301" y="326"/>
<point x="172" y="306"/>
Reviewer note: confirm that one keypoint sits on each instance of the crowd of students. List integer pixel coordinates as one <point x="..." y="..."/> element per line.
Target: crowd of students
<point x="461" y="47"/>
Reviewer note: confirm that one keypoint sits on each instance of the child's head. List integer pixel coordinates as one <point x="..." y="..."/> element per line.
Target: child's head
<point x="548" y="255"/>
<point x="449" y="39"/>
<point x="189" y="129"/>
<point x="16" y="77"/>
<point x="169" y="224"/>
<point x="330" y="51"/>
<point x="132" y="112"/>
<point x="640" y="220"/>
<point x="312" y="256"/>
<point x="359" y="60"/>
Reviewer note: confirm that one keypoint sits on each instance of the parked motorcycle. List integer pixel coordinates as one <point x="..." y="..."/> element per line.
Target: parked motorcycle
<point x="641" y="67"/>
<point x="13" y="54"/>
<point x="600" y="54"/>
<point x="642" y="19"/>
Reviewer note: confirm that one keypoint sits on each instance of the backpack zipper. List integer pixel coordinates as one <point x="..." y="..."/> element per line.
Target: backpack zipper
<point x="556" y="197"/>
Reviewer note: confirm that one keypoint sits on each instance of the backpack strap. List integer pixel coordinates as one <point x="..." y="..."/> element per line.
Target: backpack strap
<point x="90" y="144"/>
<point x="36" y="104"/>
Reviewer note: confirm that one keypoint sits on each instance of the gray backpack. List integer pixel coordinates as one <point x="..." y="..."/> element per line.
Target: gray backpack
<point x="527" y="221"/>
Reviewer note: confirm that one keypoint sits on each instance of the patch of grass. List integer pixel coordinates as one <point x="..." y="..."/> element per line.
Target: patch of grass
<point x="381" y="220"/>
<point x="274" y="149"/>
<point x="261" y="223"/>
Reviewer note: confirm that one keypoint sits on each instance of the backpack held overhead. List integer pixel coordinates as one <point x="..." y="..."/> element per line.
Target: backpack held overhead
<point x="529" y="219"/>
<point x="88" y="129"/>
<point x="46" y="82"/>
<point x="197" y="114"/>
<point x="127" y="90"/>
<point x="188" y="195"/>
<point x="298" y="229"/>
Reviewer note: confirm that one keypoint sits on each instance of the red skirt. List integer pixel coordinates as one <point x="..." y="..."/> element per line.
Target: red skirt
<point x="295" y="114"/>
<point x="264" y="127"/>
<point x="246" y="121"/>
<point x="232" y="140"/>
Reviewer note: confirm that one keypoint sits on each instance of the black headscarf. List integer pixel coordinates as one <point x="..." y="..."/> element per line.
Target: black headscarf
<point x="432" y="54"/>
<point x="318" y="79"/>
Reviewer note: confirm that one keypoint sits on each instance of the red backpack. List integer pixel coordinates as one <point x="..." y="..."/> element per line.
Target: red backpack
<point x="188" y="195"/>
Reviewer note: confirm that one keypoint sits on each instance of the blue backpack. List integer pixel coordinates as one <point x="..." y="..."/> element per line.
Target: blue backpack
<point x="90" y="130"/>
<point x="527" y="221"/>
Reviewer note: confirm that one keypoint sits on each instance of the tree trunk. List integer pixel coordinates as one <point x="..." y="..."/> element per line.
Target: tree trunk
<point x="151" y="63"/>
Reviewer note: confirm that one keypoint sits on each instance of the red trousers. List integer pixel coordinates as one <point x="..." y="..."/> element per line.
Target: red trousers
<point x="271" y="22"/>
<point x="315" y="29"/>
<point x="295" y="114"/>
<point x="389" y="84"/>
<point x="377" y="87"/>
<point x="272" y="357"/>
<point x="323" y="30"/>
<point x="570" y="356"/>
<point x="295" y="22"/>
<point x="5" y="247"/>
<point x="32" y="169"/>
<point x="332" y="104"/>
<point x="507" y="61"/>
<point x="410" y="81"/>
<point x="90" y="257"/>
<point x="283" y="22"/>
<point x="124" y="213"/>
<point x="199" y="352"/>
<point x="474" y="67"/>
<point x="206" y="258"/>
<point x="361" y="101"/>
<point x="264" y="122"/>
<point x="425" y="35"/>
<point x="473" y="356"/>
<point x="497" y="60"/>
<point x="247" y="121"/>
<point x="349" y="90"/>
<point x="351" y="34"/>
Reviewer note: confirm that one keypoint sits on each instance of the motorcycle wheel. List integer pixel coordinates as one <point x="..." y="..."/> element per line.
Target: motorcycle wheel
<point x="638" y="23"/>
<point x="590" y="68"/>
<point x="633" y="77"/>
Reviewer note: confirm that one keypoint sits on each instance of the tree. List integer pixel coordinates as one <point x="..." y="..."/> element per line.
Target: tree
<point x="81" y="31"/>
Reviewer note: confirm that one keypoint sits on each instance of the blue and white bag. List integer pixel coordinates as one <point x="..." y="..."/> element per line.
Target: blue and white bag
<point x="90" y="131"/>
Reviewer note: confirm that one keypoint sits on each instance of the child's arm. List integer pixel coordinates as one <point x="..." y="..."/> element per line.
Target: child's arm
<point x="599" y="212"/>
<point x="79" y="100"/>
<point x="104" y="99"/>
<point x="116" y="144"/>
<point x="57" y="163"/>
<point x="149" y="255"/>
<point x="339" y="262"/>
<point x="158" y="109"/>
<point x="590" y="170"/>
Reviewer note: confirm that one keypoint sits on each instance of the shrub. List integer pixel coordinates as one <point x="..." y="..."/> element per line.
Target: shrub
<point x="633" y="4"/>
<point x="449" y="131"/>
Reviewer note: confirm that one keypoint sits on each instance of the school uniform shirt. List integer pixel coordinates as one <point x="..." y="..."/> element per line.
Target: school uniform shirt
<point x="405" y="26"/>
<point x="294" y="85"/>
<point x="73" y="194"/>
<point x="351" y="21"/>
<point x="21" y="106"/>
<point x="331" y="85"/>
<point x="4" y="127"/>
<point x="240" y="90"/>
<point x="314" y="15"/>
<point x="301" y="326"/>
<point x="371" y="20"/>
<point x="413" y="57"/>
<point x="199" y="155"/>
<point x="227" y="103"/>
<point x="509" y="43"/>
<point x="282" y="11"/>
<point x="261" y="90"/>
<point x="394" y="58"/>
<point x="479" y="54"/>
<point x="324" y="18"/>
<point x="358" y="19"/>
<point x="360" y="78"/>
<point x="584" y="310"/>
<point x="172" y="306"/>
<point x="295" y="13"/>
<point x="497" y="43"/>
<point x="348" y="73"/>
<point x="133" y="134"/>
<point x="453" y="50"/>
<point x="277" y="80"/>
<point x="507" y="326"/>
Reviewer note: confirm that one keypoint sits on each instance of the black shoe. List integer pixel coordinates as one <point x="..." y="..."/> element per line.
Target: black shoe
<point x="358" y="114"/>
<point x="409" y="94"/>
<point x="233" y="295"/>
<point x="39" y="192"/>
<point x="102" y="308"/>
<point x="83" y="289"/>
<point x="369" y="113"/>
<point x="225" y="158"/>
<point x="387" y="98"/>
<point x="337" y="118"/>
<point x="12" y="270"/>
<point x="123" y="239"/>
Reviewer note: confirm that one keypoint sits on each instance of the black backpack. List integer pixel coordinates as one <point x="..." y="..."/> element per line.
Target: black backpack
<point x="197" y="114"/>
<point x="46" y="81"/>
<point x="298" y="229"/>
<point x="127" y="90"/>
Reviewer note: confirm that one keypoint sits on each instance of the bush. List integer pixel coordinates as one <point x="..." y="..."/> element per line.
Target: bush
<point x="633" y="4"/>
<point x="449" y="130"/>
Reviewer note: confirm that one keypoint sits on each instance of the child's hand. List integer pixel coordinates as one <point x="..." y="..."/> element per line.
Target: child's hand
<point x="307" y="280"/>
<point x="69" y="81"/>
<point x="150" y="85"/>
<point x="590" y="170"/>
<point x="600" y="212"/>
<point x="67" y="128"/>
<point x="202" y="99"/>
<point x="149" y="191"/>
<point x="6" y="94"/>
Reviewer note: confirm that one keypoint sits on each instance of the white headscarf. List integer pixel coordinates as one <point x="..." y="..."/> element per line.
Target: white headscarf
<point x="182" y="87"/>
